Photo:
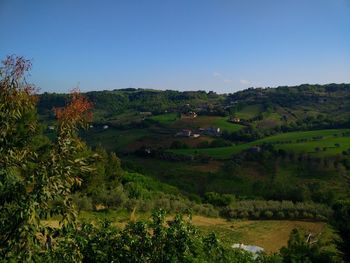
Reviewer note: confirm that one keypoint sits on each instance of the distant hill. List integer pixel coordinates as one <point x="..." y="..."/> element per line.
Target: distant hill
<point x="108" y="103"/>
<point x="264" y="108"/>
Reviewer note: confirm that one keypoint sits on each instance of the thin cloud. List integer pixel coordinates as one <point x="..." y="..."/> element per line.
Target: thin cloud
<point x="217" y="74"/>
<point x="244" y="82"/>
<point x="227" y="80"/>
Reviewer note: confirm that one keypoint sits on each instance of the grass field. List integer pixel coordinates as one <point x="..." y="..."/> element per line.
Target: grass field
<point x="224" y="125"/>
<point x="269" y="234"/>
<point x="205" y="122"/>
<point x="165" y="118"/>
<point x="126" y="118"/>
<point x="287" y="141"/>
<point x="322" y="148"/>
<point x="218" y="153"/>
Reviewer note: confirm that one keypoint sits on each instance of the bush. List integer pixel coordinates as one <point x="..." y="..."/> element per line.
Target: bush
<point x="218" y="199"/>
<point x="117" y="198"/>
<point x="83" y="202"/>
<point x="268" y="214"/>
<point x="280" y="215"/>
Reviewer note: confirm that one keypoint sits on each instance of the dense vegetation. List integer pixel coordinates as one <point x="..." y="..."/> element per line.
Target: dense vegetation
<point x="48" y="173"/>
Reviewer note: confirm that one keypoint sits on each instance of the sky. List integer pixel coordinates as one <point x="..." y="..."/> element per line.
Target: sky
<point x="218" y="45"/>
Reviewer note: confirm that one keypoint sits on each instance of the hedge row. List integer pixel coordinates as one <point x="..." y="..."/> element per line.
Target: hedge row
<point x="259" y="209"/>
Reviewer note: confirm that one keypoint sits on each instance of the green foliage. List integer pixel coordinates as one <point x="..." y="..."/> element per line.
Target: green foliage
<point x="218" y="199"/>
<point x="341" y="221"/>
<point x="165" y="119"/>
<point x="307" y="248"/>
<point x="176" y="240"/>
<point x="33" y="186"/>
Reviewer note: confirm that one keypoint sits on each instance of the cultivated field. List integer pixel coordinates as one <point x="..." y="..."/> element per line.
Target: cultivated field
<point x="317" y="143"/>
<point x="269" y="234"/>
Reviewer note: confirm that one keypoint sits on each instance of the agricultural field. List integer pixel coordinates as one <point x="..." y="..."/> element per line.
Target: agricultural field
<point x="206" y="122"/>
<point x="225" y="125"/>
<point x="165" y="119"/>
<point x="318" y="143"/>
<point x="126" y="118"/>
<point x="218" y="153"/>
<point x="268" y="234"/>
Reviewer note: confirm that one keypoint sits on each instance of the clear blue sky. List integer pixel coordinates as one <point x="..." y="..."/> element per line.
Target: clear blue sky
<point x="220" y="45"/>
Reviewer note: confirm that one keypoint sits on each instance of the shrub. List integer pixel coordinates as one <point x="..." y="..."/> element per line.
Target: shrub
<point x="280" y="215"/>
<point x="268" y="214"/>
<point x="83" y="202"/>
<point x="218" y="199"/>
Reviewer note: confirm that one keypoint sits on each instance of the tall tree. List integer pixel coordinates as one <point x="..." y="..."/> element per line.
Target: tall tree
<point x="34" y="186"/>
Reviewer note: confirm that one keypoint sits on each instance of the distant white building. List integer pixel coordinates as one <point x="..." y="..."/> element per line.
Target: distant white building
<point x="105" y="127"/>
<point x="51" y="128"/>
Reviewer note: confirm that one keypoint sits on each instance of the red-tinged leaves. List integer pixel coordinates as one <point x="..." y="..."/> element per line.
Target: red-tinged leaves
<point x="78" y="111"/>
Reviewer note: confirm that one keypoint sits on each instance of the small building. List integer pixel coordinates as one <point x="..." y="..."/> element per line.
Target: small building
<point x="105" y="127"/>
<point x="189" y="115"/>
<point x="148" y="150"/>
<point x="211" y="131"/>
<point x="196" y="135"/>
<point x="184" y="133"/>
<point x="217" y="130"/>
<point x="51" y="128"/>
<point x="235" y="120"/>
